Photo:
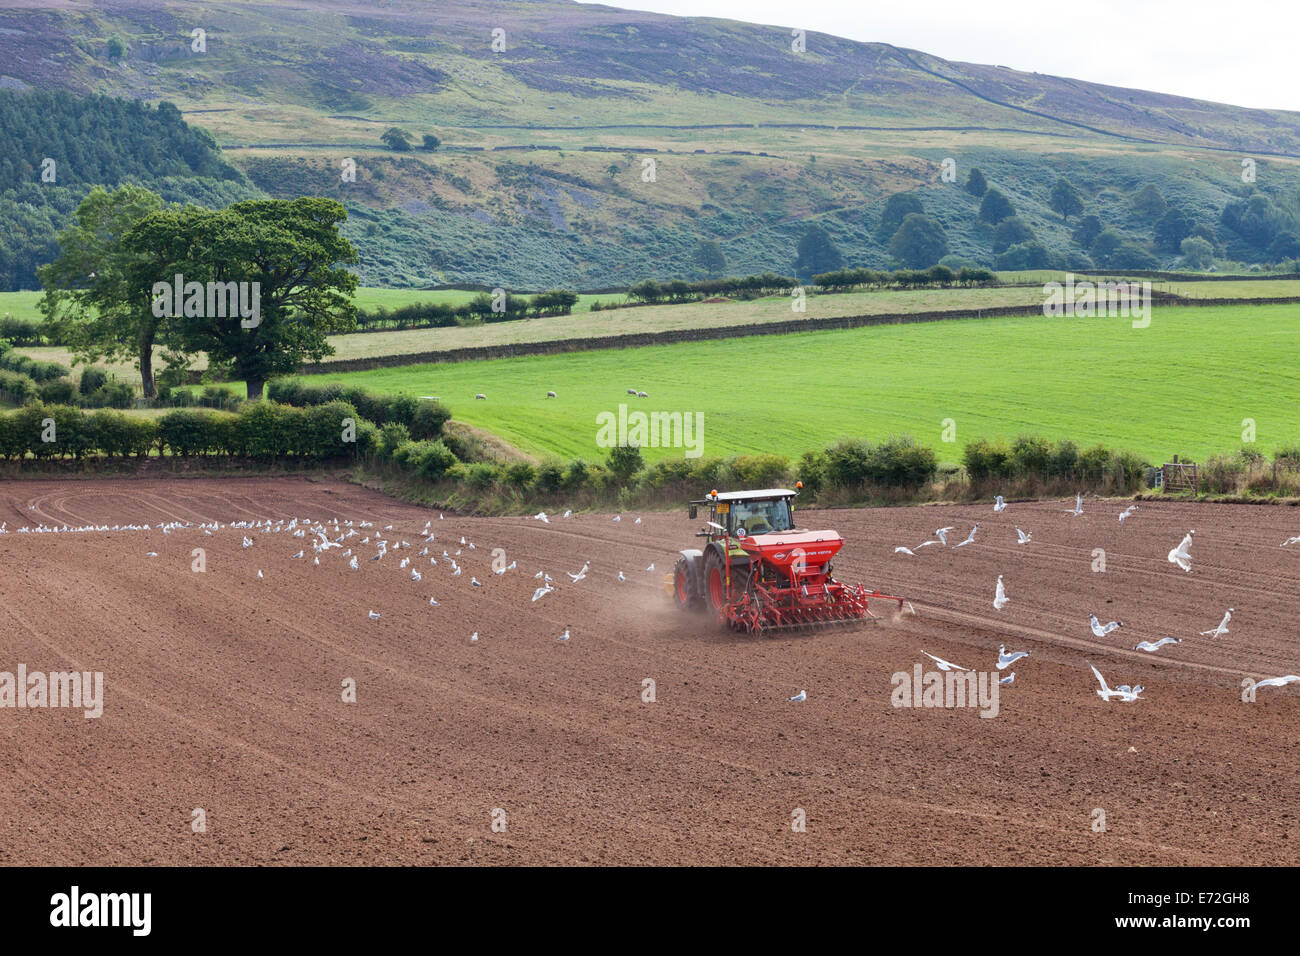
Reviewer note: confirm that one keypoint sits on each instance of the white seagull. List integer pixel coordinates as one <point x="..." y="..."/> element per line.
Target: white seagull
<point x="942" y="535"/>
<point x="1000" y="599"/>
<point x="1122" y="692"/>
<point x="374" y="616"/>
<point x="945" y="665"/>
<point x="620" y="576"/>
<point x="1151" y="648"/>
<point x="1005" y="660"/>
<point x="801" y="696"/>
<point x="542" y="591"/>
<point x="970" y="537"/>
<point x="905" y="551"/>
<point x="1101" y="630"/>
<point x="1278" y="681"/>
<point x="541" y="516"/>
<point x="1295" y="540"/>
<point x="298" y="555"/>
<point x="1008" y="679"/>
<point x="565" y="635"/>
<point x="1024" y="538"/>
<point x="580" y="575"/>
<point x="1127" y="512"/>
<point x="433" y="603"/>
<point x="1078" y="505"/>
<point x="999" y="505"/>
<point x="1179" y="555"/>
<point x="353" y="563"/>
<point x="1223" y="625"/>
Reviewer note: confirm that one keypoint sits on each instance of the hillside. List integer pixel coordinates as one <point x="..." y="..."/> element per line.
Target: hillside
<point x="541" y="178"/>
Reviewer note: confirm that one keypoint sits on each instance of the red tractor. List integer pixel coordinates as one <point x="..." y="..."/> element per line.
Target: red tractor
<point x="757" y="573"/>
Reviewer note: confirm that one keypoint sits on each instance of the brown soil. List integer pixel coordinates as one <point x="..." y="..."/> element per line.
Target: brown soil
<point x="222" y="692"/>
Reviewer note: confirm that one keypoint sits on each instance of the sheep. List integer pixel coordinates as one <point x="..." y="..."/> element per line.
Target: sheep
<point x="642" y="395"/>
<point x="480" y="395"/>
<point x="631" y="391"/>
<point x="550" y="394"/>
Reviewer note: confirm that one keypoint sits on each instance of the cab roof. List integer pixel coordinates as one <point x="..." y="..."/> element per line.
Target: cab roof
<point x="752" y="495"/>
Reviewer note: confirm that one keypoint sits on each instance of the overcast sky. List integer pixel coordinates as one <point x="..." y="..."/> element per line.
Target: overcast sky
<point x="1242" y="53"/>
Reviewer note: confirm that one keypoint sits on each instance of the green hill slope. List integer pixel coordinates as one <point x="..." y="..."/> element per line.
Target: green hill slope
<point x="542" y="176"/>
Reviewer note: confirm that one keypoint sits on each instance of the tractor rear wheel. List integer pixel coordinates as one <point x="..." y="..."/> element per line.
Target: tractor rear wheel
<point x="684" y="595"/>
<point x="715" y="582"/>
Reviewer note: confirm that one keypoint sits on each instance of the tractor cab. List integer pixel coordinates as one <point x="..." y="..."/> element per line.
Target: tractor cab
<point x="740" y="514"/>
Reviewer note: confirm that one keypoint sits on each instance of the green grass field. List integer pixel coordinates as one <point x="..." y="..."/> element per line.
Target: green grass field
<point x="1181" y="386"/>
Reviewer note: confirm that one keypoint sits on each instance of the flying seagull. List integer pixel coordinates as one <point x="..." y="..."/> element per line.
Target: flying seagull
<point x="905" y="551"/>
<point x="1127" y="512"/>
<point x="999" y="505"/>
<point x="1078" y="505"/>
<point x="1122" y="692"/>
<point x="1024" y="538"/>
<point x="580" y="575"/>
<point x="1151" y="648"/>
<point x="1179" y="555"/>
<point x="1000" y="599"/>
<point x="652" y="566"/>
<point x="1101" y="630"/>
<point x="542" y="591"/>
<point x="1278" y="681"/>
<point x="1005" y="660"/>
<point x="1295" y="540"/>
<point x="945" y="665"/>
<point x="942" y="535"/>
<point x="970" y="537"/>
<point x="1223" y="625"/>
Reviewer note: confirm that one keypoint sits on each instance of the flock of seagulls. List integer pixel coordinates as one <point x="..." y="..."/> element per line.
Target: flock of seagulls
<point x="1180" y="556"/>
<point x="349" y="538"/>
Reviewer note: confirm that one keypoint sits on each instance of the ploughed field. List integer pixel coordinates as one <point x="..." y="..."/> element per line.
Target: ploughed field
<point x="223" y="692"/>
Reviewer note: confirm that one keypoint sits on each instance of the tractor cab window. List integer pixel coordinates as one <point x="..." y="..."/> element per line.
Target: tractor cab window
<point x="760" y="517"/>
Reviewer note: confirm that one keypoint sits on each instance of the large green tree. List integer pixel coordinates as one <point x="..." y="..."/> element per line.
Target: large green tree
<point x="1065" y="199"/>
<point x="816" y="253"/>
<point x="994" y="208"/>
<point x="897" y="208"/>
<point x="919" y="243"/>
<point x="91" y="296"/>
<point x="291" y="250"/>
